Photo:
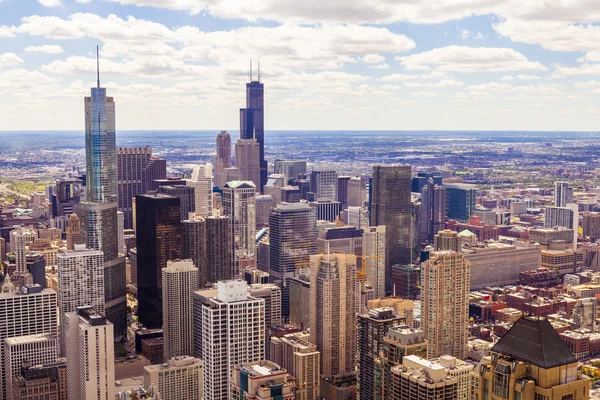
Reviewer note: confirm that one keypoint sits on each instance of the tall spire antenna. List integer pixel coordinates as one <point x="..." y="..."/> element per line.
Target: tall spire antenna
<point x="259" y="68"/>
<point x="98" y="65"/>
<point x="251" y="70"/>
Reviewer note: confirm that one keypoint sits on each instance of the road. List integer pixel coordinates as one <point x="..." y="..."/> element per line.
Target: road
<point x="130" y="368"/>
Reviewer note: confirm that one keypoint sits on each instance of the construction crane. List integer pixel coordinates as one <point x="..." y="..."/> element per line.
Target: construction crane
<point x="363" y="272"/>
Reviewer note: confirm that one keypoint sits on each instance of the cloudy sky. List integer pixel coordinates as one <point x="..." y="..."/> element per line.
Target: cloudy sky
<point x="326" y="64"/>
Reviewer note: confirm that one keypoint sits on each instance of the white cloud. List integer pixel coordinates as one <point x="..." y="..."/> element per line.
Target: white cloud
<point x="380" y="66"/>
<point x="480" y="36"/>
<point x="51" y="3"/>
<point x="584" y="69"/>
<point x="373" y="59"/>
<point x="47" y="49"/>
<point x="83" y="1"/>
<point x="587" y="84"/>
<point x="438" y="84"/>
<point x="465" y="33"/>
<point x="10" y="60"/>
<point x="438" y="75"/>
<point x="424" y="94"/>
<point x="507" y="78"/>
<point x="7" y="31"/>
<point x="471" y="59"/>
<point x="522" y="77"/>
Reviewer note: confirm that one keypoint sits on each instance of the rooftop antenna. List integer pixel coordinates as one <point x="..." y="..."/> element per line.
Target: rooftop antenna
<point x="98" y="65"/>
<point x="259" y="68"/>
<point x="250" y="70"/>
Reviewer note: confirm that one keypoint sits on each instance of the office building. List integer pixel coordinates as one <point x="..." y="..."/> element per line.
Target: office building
<point x="357" y="217"/>
<point x="326" y="210"/>
<point x="218" y="249"/>
<point x="247" y="159"/>
<point x="179" y="281"/>
<point x="447" y="239"/>
<point x="391" y="206"/>
<point x="460" y="201"/>
<point x="372" y="328"/>
<point x="223" y="158"/>
<point x="530" y="362"/>
<point x="41" y="348"/>
<point x="299" y="300"/>
<point x="29" y="311"/>
<point x="342" y="190"/>
<point x="239" y="206"/>
<point x="563" y="194"/>
<point x="374" y="241"/>
<point x="264" y="203"/>
<point x="292" y="238"/>
<point x="252" y="124"/>
<point x="202" y="182"/>
<point x="98" y="214"/>
<point x="591" y="225"/>
<point x="178" y="378"/>
<point x="158" y="240"/>
<point x="333" y="311"/>
<point x="74" y="235"/>
<point x="357" y="192"/>
<point x="90" y="355"/>
<point x="292" y="169"/>
<point x="546" y="236"/>
<point x="67" y="193"/>
<point x="584" y="314"/>
<point x="566" y="217"/>
<point x="323" y="184"/>
<point x="271" y="294"/>
<point x="36" y="268"/>
<point x="231" y="325"/>
<point x="433" y="211"/>
<point x="49" y="379"/>
<point x="341" y="239"/>
<point x="296" y="354"/>
<point x="19" y="239"/>
<point x="80" y="282"/>
<point x="261" y="380"/>
<point x="445" y="310"/>
<point x="137" y="169"/>
<point x="423" y="178"/>
<point x="186" y="196"/>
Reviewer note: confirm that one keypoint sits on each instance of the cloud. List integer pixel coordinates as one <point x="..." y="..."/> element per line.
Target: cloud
<point x="438" y="84"/>
<point x="522" y="77"/>
<point x="7" y="31"/>
<point x="587" y="84"/>
<point x="507" y="78"/>
<point x="380" y="66"/>
<point x="47" y="49"/>
<point x="465" y="33"/>
<point x="424" y="94"/>
<point x="584" y="69"/>
<point x="51" y="3"/>
<point x="471" y="59"/>
<point x="437" y="75"/>
<point x="10" y="60"/>
<point x="83" y="1"/>
<point x="373" y="59"/>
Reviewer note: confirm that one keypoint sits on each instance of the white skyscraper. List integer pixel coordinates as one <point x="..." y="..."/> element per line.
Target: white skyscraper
<point x="28" y="312"/>
<point x="232" y="325"/>
<point x="90" y="355"/>
<point x="567" y="217"/>
<point x="35" y="349"/>
<point x="202" y="182"/>
<point x="563" y="194"/>
<point x="323" y="183"/>
<point x="80" y="282"/>
<point x="178" y="378"/>
<point x="179" y="281"/>
<point x="20" y="238"/>
<point x="374" y="258"/>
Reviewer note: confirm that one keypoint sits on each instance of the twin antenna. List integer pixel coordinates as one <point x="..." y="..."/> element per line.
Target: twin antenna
<point x="250" y="75"/>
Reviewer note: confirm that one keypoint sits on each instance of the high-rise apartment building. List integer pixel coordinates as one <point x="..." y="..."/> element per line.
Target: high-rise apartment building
<point x="445" y="310"/>
<point x="247" y="159"/>
<point x="460" y="201"/>
<point x="372" y="328"/>
<point x="179" y="281"/>
<point x="433" y="211"/>
<point x="137" y="168"/>
<point x="30" y="311"/>
<point x="158" y="240"/>
<point x="566" y="217"/>
<point x="447" y="239"/>
<point x="324" y="183"/>
<point x="90" y="355"/>
<point x="223" y="158"/>
<point x="239" y="206"/>
<point x="231" y="325"/>
<point x="252" y="121"/>
<point x="374" y="241"/>
<point x="98" y="214"/>
<point x="80" y="282"/>
<point x="38" y="349"/>
<point x="202" y="182"/>
<point x="292" y="238"/>
<point x="261" y="380"/>
<point x="591" y="224"/>
<point x="563" y="194"/>
<point x="179" y="378"/>
<point x="295" y="353"/>
<point x="333" y="311"/>
<point x="19" y="239"/>
<point x="186" y="196"/>
<point x="420" y="379"/>
<point x="292" y="169"/>
<point x="391" y="206"/>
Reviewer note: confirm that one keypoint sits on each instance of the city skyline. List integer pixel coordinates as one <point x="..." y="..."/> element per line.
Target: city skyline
<point x="494" y="66"/>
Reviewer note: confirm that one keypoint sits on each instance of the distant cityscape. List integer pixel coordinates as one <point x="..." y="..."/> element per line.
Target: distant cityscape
<point x="297" y="265"/>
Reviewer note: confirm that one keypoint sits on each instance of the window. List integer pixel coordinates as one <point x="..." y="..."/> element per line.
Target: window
<point x="501" y="380"/>
<point x="568" y="397"/>
<point x="540" y="397"/>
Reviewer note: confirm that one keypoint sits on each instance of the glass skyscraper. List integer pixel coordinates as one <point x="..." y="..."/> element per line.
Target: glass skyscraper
<point x="252" y="122"/>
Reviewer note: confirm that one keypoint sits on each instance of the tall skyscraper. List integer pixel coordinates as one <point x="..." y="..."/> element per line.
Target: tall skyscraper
<point x="566" y="217"/>
<point x="223" y="158"/>
<point x="433" y="211"/>
<point x="30" y="311"/>
<point x="357" y="192"/>
<point x="158" y="241"/>
<point x="232" y="327"/>
<point x="73" y="232"/>
<point x="238" y="205"/>
<point x="19" y="239"/>
<point x="324" y="183"/>
<point x="333" y="311"/>
<point x="445" y="279"/>
<point x="80" y="282"/>
<point x="292" y="237"/>
<point x="247" y="159"/>
<point x="202" y="182"/>
<point x="252" y="121"/>
<point x="563" y="194"/>
<point x="342" y="191"/>
<point x="186" y="196"/>
<point x="179" y="281"/>
<point x="391" y="206"/>
<point x="178" y="378"/>
<point x="98" y="214"/>
<point x="292" y="169"/>
<point x="374" y="241"/>
<point x="137" y="168"/>
<point x="90" y="355"/>
<point x="460" y="201"/>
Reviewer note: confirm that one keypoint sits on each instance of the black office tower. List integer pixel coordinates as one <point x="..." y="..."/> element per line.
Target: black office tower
<point x="252" y="121"/>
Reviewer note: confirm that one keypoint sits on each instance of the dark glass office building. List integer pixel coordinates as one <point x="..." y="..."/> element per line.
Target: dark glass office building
<point x="252" y="122"/>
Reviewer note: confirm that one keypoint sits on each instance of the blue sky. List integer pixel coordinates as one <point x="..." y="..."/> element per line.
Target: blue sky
<point x="339" y="64"/>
